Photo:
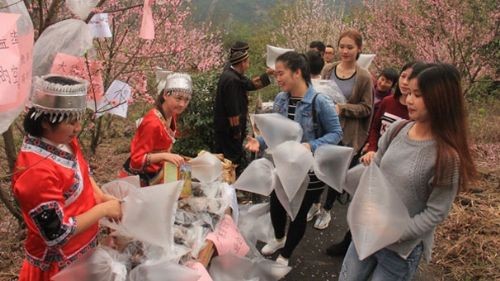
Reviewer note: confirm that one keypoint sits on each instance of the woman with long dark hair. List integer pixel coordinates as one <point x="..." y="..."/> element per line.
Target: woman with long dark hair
<point x="391" y="109"/>
<point x="296" y="102"/>
<point x="426" y="162"/>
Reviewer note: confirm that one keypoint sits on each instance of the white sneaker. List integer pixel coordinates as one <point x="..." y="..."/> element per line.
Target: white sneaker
<point x="313" y="211"/>
<point x="323" y="219"/>
<point x="281" y="260"/>
<point x="272" y="246"/>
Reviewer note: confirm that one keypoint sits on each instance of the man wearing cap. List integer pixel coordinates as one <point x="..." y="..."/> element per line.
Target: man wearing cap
<point x="231" y="104"/>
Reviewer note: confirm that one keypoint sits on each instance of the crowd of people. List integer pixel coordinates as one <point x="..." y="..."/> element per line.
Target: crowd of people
<point x="411" y="124"/>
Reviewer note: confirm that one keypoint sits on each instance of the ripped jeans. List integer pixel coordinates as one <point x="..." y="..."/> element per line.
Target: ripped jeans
<point x="383" y="265"/>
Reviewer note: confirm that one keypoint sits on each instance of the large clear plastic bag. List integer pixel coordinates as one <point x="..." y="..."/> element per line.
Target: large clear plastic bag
<point x="365" y="60"/>
<point x="293" y="161"/>
<point x="148" y="214"/>
<point x="162" y="270"/>
<point x="104" y="264"/>
<point x="276" y="129"/>
<point x="235" y="268"/>
<point x="228" y="194"/>
<point x="81" y="8"/>
<point x="377" y="217"/>
<point x="161" y="79"/>
<point x="255" y="223"/>
<point x="292" y="207"/>
<point x="71" y="37"/>
<point x="206" y="167"/>
<point x="14" y="102"/>
<point x="329" y="88"/>
<point x="121" y="188"/>
<point x="257" y="177"/>
<point x="352" y="178"/>
<point x="331" y="164"/>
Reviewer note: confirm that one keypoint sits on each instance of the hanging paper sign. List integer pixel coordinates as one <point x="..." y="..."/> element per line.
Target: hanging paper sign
<point x="99" y="26"/>
<point x="77" y="66"/>
<point x="115" y="101"/>
<point x="15" y="63"/>
<point x="227" y="238"/>
<point x="147" y="25"/>
<point x="16" y="57"/>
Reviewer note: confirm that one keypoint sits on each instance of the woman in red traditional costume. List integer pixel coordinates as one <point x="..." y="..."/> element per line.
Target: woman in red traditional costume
<point x="155" y="135"/>
<point x="60" y="202"/>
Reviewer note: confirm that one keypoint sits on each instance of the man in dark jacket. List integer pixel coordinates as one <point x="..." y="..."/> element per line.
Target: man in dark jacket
<point x="231" y="105"/>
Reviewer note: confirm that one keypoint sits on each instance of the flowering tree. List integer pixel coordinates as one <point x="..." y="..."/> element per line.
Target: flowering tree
<point x="177" y="46"/>
<point x="458" y="32"/>
<point x="307" y="21"/>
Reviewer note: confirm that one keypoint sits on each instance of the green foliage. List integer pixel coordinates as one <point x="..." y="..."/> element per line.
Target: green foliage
<point x="196" y="123"/>
<point x="483" y="90"/>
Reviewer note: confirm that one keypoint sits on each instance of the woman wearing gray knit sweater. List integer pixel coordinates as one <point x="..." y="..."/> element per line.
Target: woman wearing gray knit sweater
<point x="426" y="162"/>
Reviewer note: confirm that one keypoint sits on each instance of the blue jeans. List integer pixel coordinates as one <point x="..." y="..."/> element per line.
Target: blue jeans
<point x="384" y="265"/>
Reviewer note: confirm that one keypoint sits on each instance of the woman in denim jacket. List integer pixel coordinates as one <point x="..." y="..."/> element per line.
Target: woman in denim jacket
<point x="295" y="102"/>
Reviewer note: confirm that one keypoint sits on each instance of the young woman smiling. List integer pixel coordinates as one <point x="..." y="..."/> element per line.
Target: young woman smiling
<point x="356" y="85"/>
<point x="295" y="102"/>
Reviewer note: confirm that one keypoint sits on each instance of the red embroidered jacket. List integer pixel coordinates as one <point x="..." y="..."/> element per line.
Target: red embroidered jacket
<point x="151" y="136"/>
<point x="53" y="187"/>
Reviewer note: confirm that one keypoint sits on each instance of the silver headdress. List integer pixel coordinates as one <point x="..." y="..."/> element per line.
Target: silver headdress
<point x="59" y="96"/>
<point x="161" y="78"/>
<point x="179" y="82"/>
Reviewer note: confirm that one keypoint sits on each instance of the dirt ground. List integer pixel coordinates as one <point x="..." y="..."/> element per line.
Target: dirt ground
<point x="456" y="255"/>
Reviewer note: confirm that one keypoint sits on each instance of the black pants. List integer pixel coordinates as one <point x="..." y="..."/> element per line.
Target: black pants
<point x="332" y="194"/>
<point x="232" y="149"/>
<point x="297" y="227"/>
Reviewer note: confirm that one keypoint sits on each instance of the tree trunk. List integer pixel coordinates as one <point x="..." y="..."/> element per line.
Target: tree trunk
<point x="96" y="136"/>
<point x="10" y="152"/>
<point x="11" y="206"/>
<point x="10" y="148"/>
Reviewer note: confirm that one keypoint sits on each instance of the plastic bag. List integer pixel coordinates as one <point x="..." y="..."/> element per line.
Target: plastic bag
<point x="276" y="129"/>
<point x="162" y="270"/>
<point x="257" y="177"/>
<point x="329" y="88"/>
<point x="148" y="214"/>
<point x="104" y="264"/>
<point x="206" y="167"/>
<point x="377" y="217"/>
<point x="293" y="161"/>
<point x="234" y="268"/>
<point x="81" y="8"/>
<point x="292" y="207"/>
<point x="121" y="188"/>
<point x="71" y="37"/>
<point x="272" y="53"/>
<point x="16" y="53"/>
<point x="365" y="60"/>
<point x="255" y="223"/>
<point x="228" y="194"/>
<point x="331" y="164"/>
<point x="161" y="79"/>
<point x="352" y="178"/>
